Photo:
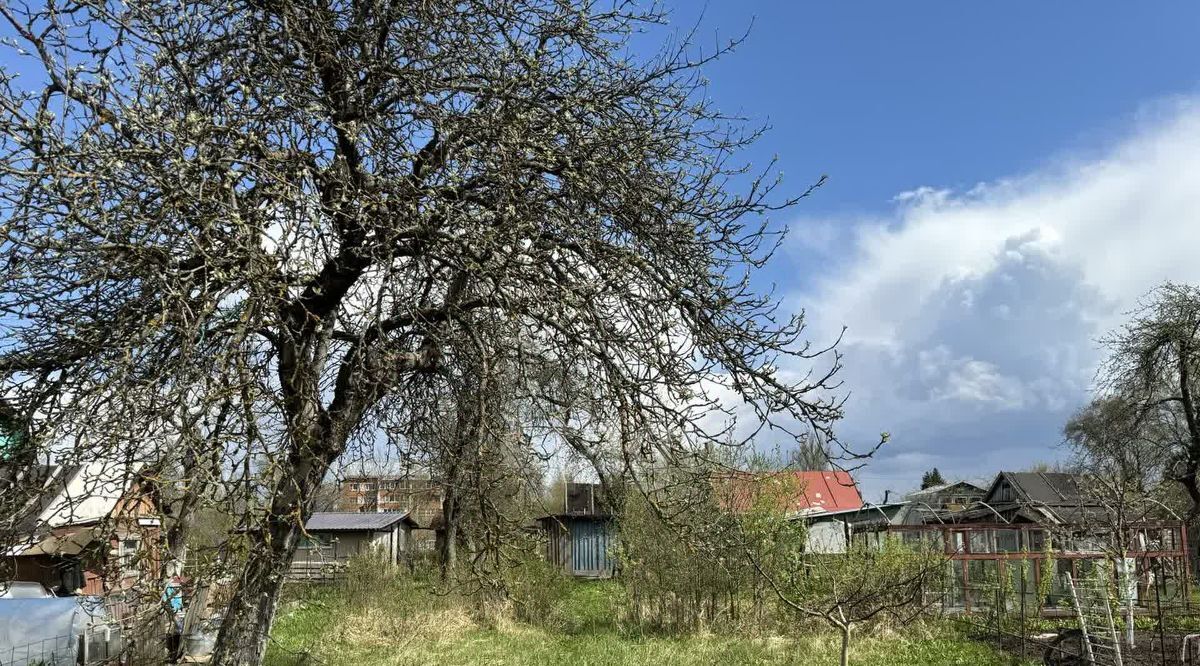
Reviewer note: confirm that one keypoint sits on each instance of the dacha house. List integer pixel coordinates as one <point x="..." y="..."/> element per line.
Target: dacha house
<point x="580" y="538"/>
<point x="1038" y="530"/>
<point x="82" y="528"/>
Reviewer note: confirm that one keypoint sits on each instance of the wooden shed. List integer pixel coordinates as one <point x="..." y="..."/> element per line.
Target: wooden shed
<point x="580" y="543"/>
<point x="334" y="537"/>
<point x="580" y="539"/>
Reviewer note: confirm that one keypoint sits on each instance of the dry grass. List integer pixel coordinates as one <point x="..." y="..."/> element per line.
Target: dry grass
<point x="404" y="624"/>
<point x="381" y="627"/>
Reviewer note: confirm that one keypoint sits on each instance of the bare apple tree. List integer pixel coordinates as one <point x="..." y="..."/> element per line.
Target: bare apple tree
<point x="262" y="229"/>
<point x="1150" y="403"/>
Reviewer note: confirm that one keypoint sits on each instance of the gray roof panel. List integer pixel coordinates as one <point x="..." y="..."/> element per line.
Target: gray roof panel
<point x="338" y="521"/>
<point x="1053" y="488"/>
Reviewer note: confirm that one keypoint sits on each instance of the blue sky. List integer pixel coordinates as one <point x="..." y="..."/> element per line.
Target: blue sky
<point x="1006" y="179"/>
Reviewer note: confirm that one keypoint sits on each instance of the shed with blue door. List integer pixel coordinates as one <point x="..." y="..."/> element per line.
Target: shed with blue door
<point x="581" y="538"/>
<point x="580" y="543"/>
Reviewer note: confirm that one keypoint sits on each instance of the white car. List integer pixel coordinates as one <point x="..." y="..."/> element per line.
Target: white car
<point x="24" y="589"/>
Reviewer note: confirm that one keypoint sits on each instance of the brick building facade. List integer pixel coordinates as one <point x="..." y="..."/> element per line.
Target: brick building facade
<point x="422" y="498"/>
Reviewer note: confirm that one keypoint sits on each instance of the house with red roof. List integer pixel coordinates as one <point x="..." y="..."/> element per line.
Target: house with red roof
<point x="802" y="492"/>
<point x="822" y="492"/>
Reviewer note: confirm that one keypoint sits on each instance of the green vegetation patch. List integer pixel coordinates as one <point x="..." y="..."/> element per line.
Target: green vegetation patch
<point x="410" y="622"/>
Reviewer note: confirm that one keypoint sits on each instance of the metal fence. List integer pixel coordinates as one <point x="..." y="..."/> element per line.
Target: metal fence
<point x="100" y="644"/>
<point x="1098" y="628"/>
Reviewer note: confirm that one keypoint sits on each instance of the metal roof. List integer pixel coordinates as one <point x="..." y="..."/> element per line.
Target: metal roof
<point x="815" y="491"/>
<point x="574" y="515"/>
<point x="866" y="508"/>
<point x="339" y="521"/>
<point x="1052" y="488"/>
<point x="829" y="491"/>
<point x="933" y="490"/>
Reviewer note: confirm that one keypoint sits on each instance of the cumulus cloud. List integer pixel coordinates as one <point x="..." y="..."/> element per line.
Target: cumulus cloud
<point x="973" y="315"/>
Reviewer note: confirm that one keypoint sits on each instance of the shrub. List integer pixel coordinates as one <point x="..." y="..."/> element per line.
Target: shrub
<point x="369" y="575"/>
<point x="537" y="589"/>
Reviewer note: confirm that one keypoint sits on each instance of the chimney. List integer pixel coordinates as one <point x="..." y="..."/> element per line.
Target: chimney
<point x="886" y="495"/>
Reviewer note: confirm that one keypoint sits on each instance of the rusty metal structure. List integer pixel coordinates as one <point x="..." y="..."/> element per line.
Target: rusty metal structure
<point x="1027" y="565"/>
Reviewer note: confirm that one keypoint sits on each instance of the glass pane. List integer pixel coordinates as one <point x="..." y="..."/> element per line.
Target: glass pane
<point x="983" y="583"/>
<point x="1024" y="593"/>
<point x="1170" y="539"/>
<point x="954" y="584"/>
<point x="1008" y="541"/>
<point x="980" y="541"/>
<point x="1087" y="543"/>
<point x="1058" y="595"/>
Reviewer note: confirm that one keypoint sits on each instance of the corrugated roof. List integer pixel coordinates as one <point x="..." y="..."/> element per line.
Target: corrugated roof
<point x="1053" y="488"/>
<point x="933" y="490"/>
<point x="337" y="521"/>
<point x="43" y="486"/>
<point x="817" y="491"/>
<point x="830" y="491"/>
<point x="869" y="509"/>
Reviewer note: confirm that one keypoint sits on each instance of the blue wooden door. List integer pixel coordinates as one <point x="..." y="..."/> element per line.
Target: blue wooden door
<point x="589" y="548"/>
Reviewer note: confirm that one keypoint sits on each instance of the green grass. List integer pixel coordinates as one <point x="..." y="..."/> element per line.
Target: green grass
<point x="409" y="625"/>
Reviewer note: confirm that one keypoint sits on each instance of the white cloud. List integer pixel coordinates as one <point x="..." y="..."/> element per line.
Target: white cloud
<point x="983" y="307"/>
<point x="969" y="380"/>
<point x="1128" y="219"/>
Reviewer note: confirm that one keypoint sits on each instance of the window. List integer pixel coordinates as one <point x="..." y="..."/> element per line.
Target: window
<point x="983" y="583"/>
<point x="955" y="588"/>
<point x="1087" y="543"/>
<point x="1170" y="539"/>
<point x="127" y="555"/>
<point x="979" y="541"/>
<point x="1007" y="541"/>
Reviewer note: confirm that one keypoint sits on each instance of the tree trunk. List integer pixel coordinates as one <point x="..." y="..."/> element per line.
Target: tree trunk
<point x="242" y="640"/>
<point x="845" y="658"/>
<point x="246" y="626"/>
<point x="449" y="554"/>
<point x="465" y="435"/>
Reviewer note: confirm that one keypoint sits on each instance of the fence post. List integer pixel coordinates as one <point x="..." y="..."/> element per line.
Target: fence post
<point x="1162" y="640"/>
<point x="999" y="634"/>
<point x="1111" y="625"/>
<point x="1024" y="631"/>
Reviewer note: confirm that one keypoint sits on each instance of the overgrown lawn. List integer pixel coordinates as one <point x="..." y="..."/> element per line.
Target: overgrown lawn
<point x="408" y="623"/>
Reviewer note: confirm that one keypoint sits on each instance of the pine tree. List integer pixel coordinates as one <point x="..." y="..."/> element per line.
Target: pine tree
<point x="932" y="478"/>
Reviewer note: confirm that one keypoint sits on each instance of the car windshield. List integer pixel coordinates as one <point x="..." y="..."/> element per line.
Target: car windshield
<point x="23" y="590"/>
